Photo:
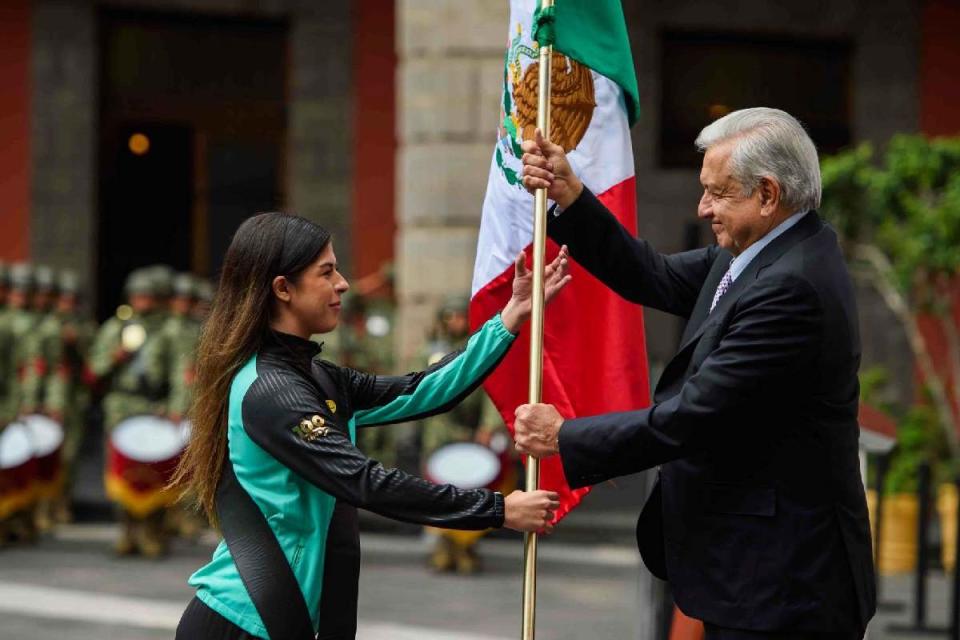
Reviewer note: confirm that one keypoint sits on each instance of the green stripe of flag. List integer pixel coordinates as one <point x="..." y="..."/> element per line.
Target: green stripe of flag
<point x="594" y="33"/>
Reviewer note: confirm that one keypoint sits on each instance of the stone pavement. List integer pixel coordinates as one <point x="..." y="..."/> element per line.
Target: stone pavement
<point x="69" y="586"/>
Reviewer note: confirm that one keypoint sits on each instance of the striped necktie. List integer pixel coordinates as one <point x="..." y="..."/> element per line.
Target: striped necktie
<point x="723" y="286"/>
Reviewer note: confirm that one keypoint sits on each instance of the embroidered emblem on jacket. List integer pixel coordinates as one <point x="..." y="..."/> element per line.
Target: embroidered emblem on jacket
<point x="311" y="429"/>
<point x="332" y="406"/>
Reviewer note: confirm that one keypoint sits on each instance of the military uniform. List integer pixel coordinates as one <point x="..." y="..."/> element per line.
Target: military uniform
<point x="174" y="351"/>
<point x="64" y="343"/>
<point x="6" y="349"/>
<point x="21" y="319"/>
<point x="5" y="374"/>
<point x="37" y="344"/>
<point x="475" y="418"/>
<point x="119" y="359"/>
<point x="173" y="354"/>
<point x="365" y="342"/>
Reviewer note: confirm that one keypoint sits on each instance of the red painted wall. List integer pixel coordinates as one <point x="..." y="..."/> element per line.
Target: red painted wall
<point x="940" y="68"/>
<point x="375" y="138"/>
<point x="14" y="129"/>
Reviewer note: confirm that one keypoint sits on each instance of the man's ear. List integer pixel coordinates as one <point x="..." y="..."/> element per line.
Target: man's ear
<point x="281" y="288"/>
<point x="769" y="190"/>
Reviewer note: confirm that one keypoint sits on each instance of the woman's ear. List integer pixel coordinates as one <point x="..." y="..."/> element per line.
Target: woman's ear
<point x="281" y="288"/>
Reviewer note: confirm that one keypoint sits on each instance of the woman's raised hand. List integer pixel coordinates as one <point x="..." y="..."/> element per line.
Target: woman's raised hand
<point x="530" y="510"/>
<point x="555" y="278"/>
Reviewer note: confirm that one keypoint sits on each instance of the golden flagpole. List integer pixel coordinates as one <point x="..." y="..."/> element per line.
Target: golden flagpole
<point x="536" y="339"/>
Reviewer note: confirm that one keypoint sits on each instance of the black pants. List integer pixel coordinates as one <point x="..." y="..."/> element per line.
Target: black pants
<point x="719" y="633"/>
<point x="200" y="622"/>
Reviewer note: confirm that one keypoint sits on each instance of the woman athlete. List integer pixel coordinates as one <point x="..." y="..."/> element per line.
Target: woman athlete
<point x="272" y="457"/>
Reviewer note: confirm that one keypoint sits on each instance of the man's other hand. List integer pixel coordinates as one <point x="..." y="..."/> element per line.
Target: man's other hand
<point x="537" y="430"/>
<point x="545" y="166"/>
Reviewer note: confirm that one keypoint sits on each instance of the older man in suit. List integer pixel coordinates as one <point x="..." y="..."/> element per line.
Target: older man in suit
<point x="758" y="519"/>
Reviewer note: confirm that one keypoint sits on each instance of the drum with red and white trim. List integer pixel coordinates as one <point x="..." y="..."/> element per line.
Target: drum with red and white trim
<point x="17" y="469"/>
<point x="467" y="465"/>
<point x="46" y="436"/>
<point x="142" y="454"/>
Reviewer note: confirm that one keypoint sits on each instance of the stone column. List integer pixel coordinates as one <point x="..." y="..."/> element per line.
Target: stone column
<point x="63" y="225"/>
<point x="320" y="134"/>
<point x="450" y="70"/>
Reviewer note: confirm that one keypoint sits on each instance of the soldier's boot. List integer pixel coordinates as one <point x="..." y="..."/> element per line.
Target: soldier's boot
<point x="153" y="539"/>
<point x="22" y="527"/>
<point x="189" y="523"/>
<point x="466" y="559"/>
<point x="43" y="516"/>
<point x="442" y="558"/>
<point x="62" y="514"/>
<point x="126" y="544"/>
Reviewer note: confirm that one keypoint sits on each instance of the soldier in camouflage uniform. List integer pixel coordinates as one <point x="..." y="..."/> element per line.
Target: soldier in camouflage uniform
<point x="365" y="342"/>
<point x="201" y="305"/>
<point x="20" y="322"/>
<point x="36" y="346"/>
<point x="475" y="419"/>
<point x="174" y="350"/>
<point x="6" y="343"/>
<point x="118" y="360"/>
<point x="35" y="372"/>
<point x="59" y="349"/>
<point x="6" y="347"/>
<point x="174" y="353"/>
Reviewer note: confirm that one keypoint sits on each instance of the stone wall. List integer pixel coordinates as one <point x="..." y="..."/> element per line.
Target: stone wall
<point x="449" y="78"/>
<point x="63" y="223"/>
<point x="65" y="128"/>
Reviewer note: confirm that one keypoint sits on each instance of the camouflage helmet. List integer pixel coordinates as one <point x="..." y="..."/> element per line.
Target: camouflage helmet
<point x="454" y="303"/>
<point x="163" y="279"/>
<point x="184" y="286"/>
<point x="45" y="278"/>
<point x="21" y="277"/>
<point x="140" y="282"/>
<point x="204" y="290"/>
<point x="68" y="282"/>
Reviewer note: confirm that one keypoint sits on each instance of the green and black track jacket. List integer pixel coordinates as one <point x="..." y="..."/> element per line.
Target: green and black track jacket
<point x="291" y="431"/>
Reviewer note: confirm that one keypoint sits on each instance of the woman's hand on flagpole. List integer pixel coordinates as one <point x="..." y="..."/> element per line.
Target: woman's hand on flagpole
<point x="545" y="166"/>
<point x="530" y="510"/>
<point x="520" y="306"/>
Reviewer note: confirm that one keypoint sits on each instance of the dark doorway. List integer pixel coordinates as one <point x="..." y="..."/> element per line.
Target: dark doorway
<point x="145" y="215"/>
<point x="209" y="95"/>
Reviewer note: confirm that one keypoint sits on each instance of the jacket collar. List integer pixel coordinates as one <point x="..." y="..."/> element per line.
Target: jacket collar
<point x="290" y="347"/>
<point x="806" y="227"/>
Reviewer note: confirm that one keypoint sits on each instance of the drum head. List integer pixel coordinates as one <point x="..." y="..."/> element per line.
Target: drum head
<point x="186" y="427"/>
<point x="15" y="446"/>
<point x="147" y="439"/>
<point x="46" y="433"/>
<point x="464" y="464"/>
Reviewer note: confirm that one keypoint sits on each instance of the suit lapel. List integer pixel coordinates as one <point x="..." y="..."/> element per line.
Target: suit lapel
<point x="805" y="228"/>
<point x="702" y="307"/>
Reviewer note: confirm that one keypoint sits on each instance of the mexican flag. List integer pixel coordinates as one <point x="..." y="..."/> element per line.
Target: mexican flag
<point x="594" y="357"/>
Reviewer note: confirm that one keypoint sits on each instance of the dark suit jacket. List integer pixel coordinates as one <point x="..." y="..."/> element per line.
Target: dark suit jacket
<point x="759" y="519"/>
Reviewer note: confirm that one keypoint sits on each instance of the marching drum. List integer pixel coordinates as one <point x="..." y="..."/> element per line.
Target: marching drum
<point x="142" y="454"/>
<point x="17" y="468"/>
<point x="46" y="435"/>
<point x="464" y="464"/>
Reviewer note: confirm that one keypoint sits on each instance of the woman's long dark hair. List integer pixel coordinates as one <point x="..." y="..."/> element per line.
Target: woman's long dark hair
<point x="265" y="246"/>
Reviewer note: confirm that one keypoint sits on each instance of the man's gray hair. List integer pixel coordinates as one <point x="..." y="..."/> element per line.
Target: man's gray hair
<point x="769" y="143"/>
